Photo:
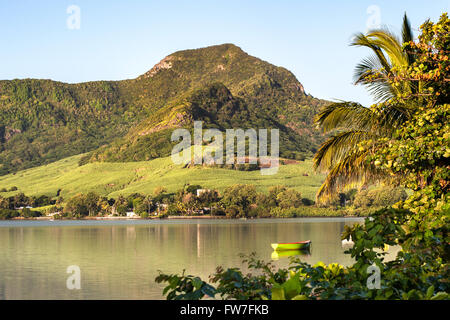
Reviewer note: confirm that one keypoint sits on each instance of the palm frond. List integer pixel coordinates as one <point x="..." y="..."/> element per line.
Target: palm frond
<point x="346" y="114"/>
<point x="392" y="116"/>
<point x="338" y="147"/>
<point x="368" y="67"/>
<point x="350" y="172"/>
<point x="381" y="90"/>
<point x="407" y="34"/>
<point x="362" y="41"/>
<point x="339" y="155"/>
<point x="390" y="44"/>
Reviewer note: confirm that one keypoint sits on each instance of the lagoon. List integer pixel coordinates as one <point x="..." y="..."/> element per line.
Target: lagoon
<point x="120" y="259"/>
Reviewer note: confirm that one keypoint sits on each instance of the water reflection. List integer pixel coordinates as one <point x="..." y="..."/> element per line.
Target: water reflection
<point x="121" y="260"/>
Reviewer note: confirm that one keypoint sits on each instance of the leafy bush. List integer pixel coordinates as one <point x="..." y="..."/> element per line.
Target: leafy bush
<point x="193" y="188"/>
<point x="307" y="202"/>
<point x="238" y="198"/>
<point x="217" y="211"/>
<point x="8" y="214"/>
<point x="82" y="205"/>
<point x="379" y="197"/>
<point x="28" y="213"/>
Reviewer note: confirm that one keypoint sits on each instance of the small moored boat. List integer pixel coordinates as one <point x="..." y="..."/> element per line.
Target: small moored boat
<point x="302" y="245"/>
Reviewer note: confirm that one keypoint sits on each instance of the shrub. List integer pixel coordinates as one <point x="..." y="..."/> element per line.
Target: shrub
<point x="234" y="211"/>
<point x="208" y="197"/>
<point x="217" y="211"/>
<point x="42" y="201"/>
<point x="379" y="197"/>
<point x="240" y="197"/>
<point x="307" y="202"/>
<point x="82" y="205"/>
<point x="173" y="210"/>
<point x="28" y="213"/>
<point x="193" y="188"/>
<point x="363" y="199"/>
<point x="260" y="212"/>
<point x="8" y="214"/>
<point x="289" y="199"/>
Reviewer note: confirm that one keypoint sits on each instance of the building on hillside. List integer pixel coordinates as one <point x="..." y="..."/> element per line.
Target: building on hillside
<point x="201" y="191"/>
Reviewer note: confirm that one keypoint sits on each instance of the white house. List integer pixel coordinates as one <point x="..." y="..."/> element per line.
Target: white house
<point x="201" y="191"/>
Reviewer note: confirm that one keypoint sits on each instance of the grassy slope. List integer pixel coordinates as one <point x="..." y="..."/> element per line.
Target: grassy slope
<point x="113" y="179"/>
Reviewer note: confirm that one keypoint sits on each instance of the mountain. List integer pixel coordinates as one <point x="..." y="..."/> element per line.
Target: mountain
<point x="42" y="121"/>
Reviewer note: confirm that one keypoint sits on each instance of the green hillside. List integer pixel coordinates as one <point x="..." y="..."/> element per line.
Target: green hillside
<point x="42" y="121"/>
<point x="216" y="107"/>
<point x="112" y="179"/>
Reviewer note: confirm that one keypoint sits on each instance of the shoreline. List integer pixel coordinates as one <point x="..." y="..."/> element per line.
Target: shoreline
<point x="205" y="217"/>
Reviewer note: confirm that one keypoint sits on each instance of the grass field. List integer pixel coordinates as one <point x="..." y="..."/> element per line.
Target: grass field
<point x="113" y="179"/>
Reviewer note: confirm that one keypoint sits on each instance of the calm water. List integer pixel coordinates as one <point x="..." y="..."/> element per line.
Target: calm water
<point x="119" y="260"/>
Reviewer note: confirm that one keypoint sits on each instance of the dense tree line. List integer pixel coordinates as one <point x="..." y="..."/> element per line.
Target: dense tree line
<point x="236" y="201"/>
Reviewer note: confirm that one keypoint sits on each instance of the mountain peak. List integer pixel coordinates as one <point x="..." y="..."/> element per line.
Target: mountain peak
<point x="210" y="53"/>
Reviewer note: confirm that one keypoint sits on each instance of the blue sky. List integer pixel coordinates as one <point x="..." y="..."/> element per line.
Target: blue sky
<point x="123" y="39"/>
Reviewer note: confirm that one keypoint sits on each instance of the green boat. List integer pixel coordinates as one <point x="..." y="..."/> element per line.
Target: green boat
<point x="302" y="245"/>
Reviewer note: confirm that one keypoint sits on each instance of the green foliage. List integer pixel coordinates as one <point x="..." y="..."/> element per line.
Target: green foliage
<point x="209" y="197"/>
<point x="342" y="155"/>
<point x="8" y="214"/>
<point x="289" y="198"/>
<point x="379" y="197"/>
<point x="308" y="211"/>
<point x="418" y="152"/>
<point x="185" y="287"/>
<point x="231" y="283"/>
<point x="25" y="213"/>
<point x="237" y="200"/>
<point x="28" y="213"/>
<point x="82" y="205"/>
<point x="193" y="188"/>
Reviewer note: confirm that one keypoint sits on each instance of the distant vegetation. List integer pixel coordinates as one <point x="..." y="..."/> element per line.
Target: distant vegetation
<point x="237" y="201"/>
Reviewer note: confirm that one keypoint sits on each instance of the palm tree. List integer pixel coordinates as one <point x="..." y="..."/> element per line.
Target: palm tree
<point x="342" y="155"/>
